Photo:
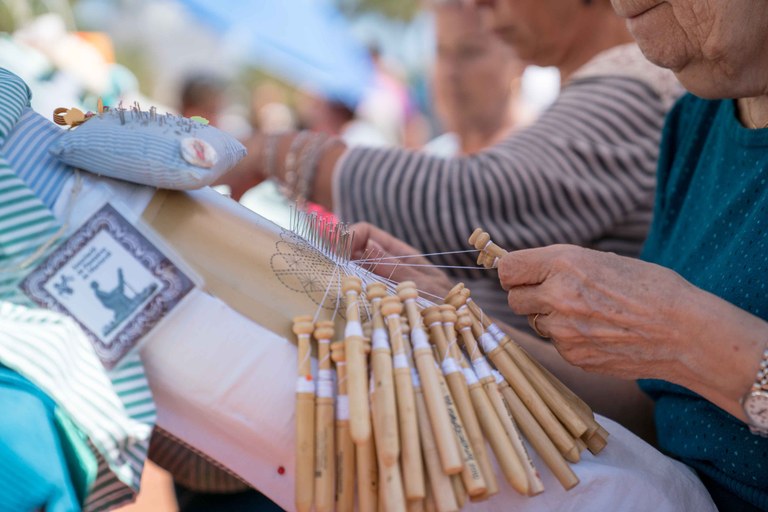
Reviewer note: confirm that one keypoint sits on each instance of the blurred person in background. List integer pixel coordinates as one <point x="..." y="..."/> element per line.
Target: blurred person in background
<point x="583" y="173"/>
<point x="203" y="95"/>
<point x="475" y="83"/>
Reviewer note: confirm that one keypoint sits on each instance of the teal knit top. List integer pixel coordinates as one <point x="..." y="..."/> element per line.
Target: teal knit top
<point x="711" y="226"/>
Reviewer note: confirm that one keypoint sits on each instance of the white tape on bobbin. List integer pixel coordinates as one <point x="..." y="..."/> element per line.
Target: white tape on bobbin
<point x="342" y="407"/>
<point x="305" y="386"/>
<point x="380" y="339"/>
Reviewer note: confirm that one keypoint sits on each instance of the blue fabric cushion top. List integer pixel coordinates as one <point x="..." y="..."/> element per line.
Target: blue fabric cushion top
<point x="159" y="150"/>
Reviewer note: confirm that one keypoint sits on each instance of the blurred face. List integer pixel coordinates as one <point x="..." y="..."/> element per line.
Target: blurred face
<point x="473" y="71"/>
<point x="540" y="31"/>
<point x="717" y="48"/>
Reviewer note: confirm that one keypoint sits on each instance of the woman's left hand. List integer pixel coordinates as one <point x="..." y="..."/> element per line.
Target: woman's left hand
<point x="632" y="319"/>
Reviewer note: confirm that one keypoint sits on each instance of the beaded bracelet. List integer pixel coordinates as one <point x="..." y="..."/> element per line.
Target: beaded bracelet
<point x="290" y="177"/>
<point x="310" y="157"/>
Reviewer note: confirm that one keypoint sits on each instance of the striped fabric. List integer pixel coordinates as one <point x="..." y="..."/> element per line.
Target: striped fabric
<point x="114" y="409"/>
<point x="148" y="148"/>
<point x="28" y="155"/>
<point x="190" y="467"/>
<point x="584" y="174"/>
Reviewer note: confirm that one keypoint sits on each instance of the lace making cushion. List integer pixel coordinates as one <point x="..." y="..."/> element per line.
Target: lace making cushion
<point x="159" y="150"/>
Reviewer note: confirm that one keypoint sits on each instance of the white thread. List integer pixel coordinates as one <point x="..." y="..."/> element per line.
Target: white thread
<point x="450" y="366"/>
<point x="400" y="361"/>
<point x="419" y="339"/>
<point x="305" y="386"/>
<point x="495" y="262"/>
<point x="380" y="339"/>
<point x="496" y="332"/>
<point x="498" y="376"/>
<point x="470" y="376"/>
<point x="325" y="389"/>
<point x="353" y="329"/>
<point x="325" y="375"/>
<point x="482" y="368"/>
<point x="342" y="407"/>
<point x="413" y="256"/>
<point x="325" y="295"/>
<point x="488" y="342"/>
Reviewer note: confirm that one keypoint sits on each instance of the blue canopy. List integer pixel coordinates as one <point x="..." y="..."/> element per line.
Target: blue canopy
<point x="306" y="42"/>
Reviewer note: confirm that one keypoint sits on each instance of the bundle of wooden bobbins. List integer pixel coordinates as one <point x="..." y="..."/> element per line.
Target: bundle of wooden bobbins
<point x="418" y="396"/>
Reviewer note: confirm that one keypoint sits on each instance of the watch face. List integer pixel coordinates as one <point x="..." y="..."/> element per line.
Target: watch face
<point x="756" y="407"/>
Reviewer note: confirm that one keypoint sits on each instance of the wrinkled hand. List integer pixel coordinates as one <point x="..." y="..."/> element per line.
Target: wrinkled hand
<point x="632" y="319"/>
<point x="391" y="258"/>
<point x="605" y="313"/>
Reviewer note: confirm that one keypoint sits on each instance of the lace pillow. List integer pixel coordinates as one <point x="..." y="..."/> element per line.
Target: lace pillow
<point x="160" y="150"/>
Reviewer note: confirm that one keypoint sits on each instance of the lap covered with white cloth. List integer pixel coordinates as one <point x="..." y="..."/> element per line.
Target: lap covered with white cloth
<point x="222" y="366"/>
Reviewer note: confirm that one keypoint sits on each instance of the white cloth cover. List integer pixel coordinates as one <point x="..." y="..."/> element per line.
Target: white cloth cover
<point x="226" y="385"/>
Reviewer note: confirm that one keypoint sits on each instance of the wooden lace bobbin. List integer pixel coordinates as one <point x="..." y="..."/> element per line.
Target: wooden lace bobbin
<point x="429" y="501"/>
<point x="536" y="486"/>
<point x="489" y="252"/>
<point x="365" y="459"/>
<point x="525" y="390"/>
<point x="567" y="406"/>
<point x="410" y="444"/>
<point x="510" y="462"/>
<point x="447" y="446"/>
<point x="596" y="437"/>
<point x="385" y="422"/>
<point x="325" y="453"/>
<point x="357" y="365"/>
<point x="570" y="446"/>
<point x="458" y="490"/>
<point x="538" y="438"/>
<point x="345" y="448"/>
<point x="500" y="442"/>
<point x="305" y="417"/>
<point x="439" y="486"/>
<point x="562" y="407"/>
<point x="385" y="418"/>
<point x="471" y="474"/>
<point x="471" y="422"/>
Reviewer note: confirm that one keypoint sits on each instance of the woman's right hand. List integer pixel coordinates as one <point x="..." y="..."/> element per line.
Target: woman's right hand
<point x="632" y="319"/>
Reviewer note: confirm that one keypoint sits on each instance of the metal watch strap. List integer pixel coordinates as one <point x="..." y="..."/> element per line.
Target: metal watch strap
<point x="761" y="384"/>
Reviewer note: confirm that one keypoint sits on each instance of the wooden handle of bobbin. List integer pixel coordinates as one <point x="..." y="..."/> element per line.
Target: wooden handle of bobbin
<point x="305" y="418"/>
<point x="539" y="440"/>
<point x="463" y="399"/>
<point x="357" y="364"/>
<point x="430" y="384"/>
<point x="325" y="454"/>
<point x="439" y="483"/>
<point x="345" y="448"/>
<point x="459" y="406"/>
<point x="524" y="389"/>
<point x="410" y="444"/>
<point x="558" y="402"/>
<point x="385" y="414"/>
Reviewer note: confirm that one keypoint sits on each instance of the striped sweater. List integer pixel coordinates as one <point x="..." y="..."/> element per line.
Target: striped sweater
<point x="583" y="173"/>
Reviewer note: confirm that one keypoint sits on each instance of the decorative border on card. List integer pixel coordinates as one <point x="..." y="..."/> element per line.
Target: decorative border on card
<point x="168" y="283"/>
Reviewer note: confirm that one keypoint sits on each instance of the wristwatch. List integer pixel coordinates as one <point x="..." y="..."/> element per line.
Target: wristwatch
<point x="755" y="402"/>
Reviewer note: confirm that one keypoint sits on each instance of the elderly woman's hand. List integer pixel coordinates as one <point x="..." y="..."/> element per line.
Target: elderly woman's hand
<point x="390" y="257"/>
<point x="606" y="313"/>
<point x="628" y="318"/>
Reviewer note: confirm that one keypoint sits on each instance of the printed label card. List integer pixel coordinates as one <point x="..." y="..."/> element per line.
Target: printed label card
<point x="112" y="280"/>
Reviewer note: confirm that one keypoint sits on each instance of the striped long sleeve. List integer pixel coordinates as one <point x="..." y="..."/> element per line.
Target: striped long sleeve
<point x="583" y="173"/>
